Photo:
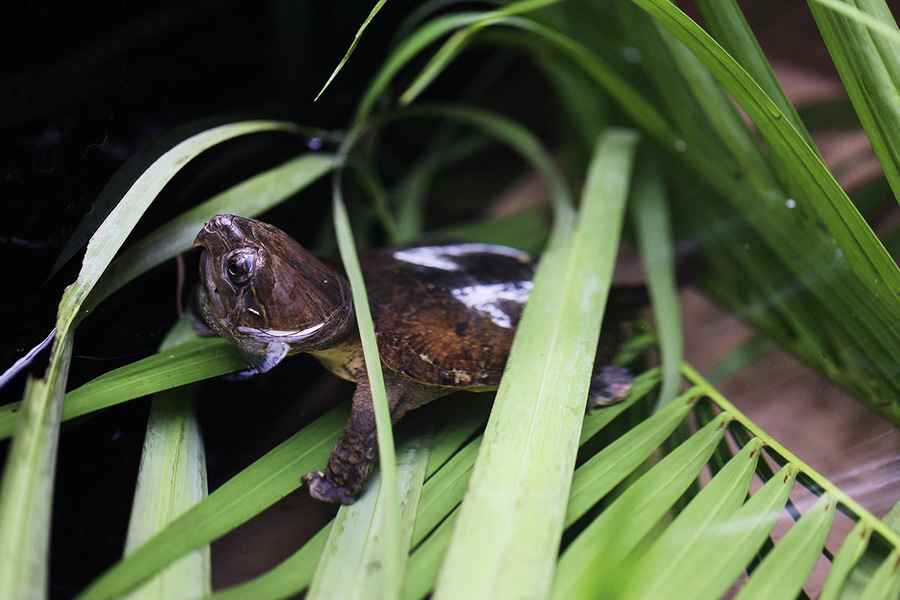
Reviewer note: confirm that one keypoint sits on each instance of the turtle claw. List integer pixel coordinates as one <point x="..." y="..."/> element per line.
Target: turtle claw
<point x="609" y="386"/>
<point x="321" y="488"/>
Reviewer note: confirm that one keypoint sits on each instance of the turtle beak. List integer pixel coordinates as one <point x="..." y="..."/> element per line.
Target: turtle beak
<point x="223" y="232"/>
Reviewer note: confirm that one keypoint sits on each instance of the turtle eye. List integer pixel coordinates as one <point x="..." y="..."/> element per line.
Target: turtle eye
<point x="239" y="267"/>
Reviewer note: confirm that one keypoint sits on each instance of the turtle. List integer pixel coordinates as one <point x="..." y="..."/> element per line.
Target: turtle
<point x="444" y="315"/>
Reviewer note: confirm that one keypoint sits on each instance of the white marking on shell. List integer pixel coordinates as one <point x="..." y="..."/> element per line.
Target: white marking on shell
<point x="486" y="298"/>
<point x="441" y="257"/>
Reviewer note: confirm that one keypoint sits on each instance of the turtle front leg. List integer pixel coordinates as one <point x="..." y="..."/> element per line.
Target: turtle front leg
<point x="354" y="455"/>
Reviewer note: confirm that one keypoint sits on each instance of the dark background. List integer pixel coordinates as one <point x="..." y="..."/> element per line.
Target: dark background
<point x="83" y="90"/>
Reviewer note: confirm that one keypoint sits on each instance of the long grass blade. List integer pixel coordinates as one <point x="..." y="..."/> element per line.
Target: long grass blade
<point x="187" y="363"/>
<point x="725" y="19"/>
<point x="443" y="493"/>
<point x="458" y="40"/>
<point x="784" y="570"/>
<point x="531" y="439"/>
<point x="864" y="44"/>
<point x="651" y="217"/>
<point x="426" y="562"/>
<point x="445" y="490"/>
<point x="871" y="22"/>
<point x="859" y="316"/>
<point x="171" y="479"/>
<point x="865" y="254"/>
<point x="27" y="490"/>
<point x="352" y="563"/>
<point x="389" y="506"/>
<point x="293" y="574"/>
<point x="405" y="52"/>
<point x="732" y="542"/>
<point x="359" y="32"/>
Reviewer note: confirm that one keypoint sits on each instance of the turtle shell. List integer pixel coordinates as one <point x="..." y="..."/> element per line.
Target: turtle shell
<point x="445" y="314"/>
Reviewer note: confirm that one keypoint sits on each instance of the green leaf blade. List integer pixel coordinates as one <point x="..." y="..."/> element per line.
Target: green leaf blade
<point x="853" y="547"/>
<point x="655" y="242"/>
<point x="190" y="362"/>
<point x="389" y="504"/>
<point x="667" y="564"/>
<point x="529" y="446"/>
<point x="591" y="561"/>
<point x="606" y="469"/>
<point x="254" y="489"/>
<point x="784" y="570"/>
<point x="171" y="479"/>
<point x="352" y="563"/>
<point x="359" y="32"/>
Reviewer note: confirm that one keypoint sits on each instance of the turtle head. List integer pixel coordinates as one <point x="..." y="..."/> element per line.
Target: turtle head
<point x="258" y="286"/>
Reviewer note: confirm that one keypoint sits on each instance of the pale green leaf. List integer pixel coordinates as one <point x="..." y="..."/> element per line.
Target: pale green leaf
<point x="851" y="550"/>
<point x="666" y="568"/>
<point x="606" y="469"/>
<point x="389" y="505"/>
<point x="192" y="361"/>
<point x="654" y="235"/>
<point x="864" y="44"/>
<point x="171" y="479"/>
<point x="531" y="439"/>
<point x="352" y="563"/>
<point x="593" y="559"/>
<point x="782" y="573"/>
<point x="730" y="543"/>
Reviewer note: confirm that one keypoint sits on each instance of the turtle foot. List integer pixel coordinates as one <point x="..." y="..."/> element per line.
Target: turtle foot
<point x="609" y="386"/>
<point x="321" y="488"/>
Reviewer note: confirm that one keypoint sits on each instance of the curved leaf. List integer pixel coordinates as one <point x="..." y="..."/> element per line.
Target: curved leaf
<point x="30" y="467"/>
<point x="375" y="9"/>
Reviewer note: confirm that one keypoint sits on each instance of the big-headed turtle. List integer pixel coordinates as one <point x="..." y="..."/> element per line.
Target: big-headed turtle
<point x="444" y="318"/>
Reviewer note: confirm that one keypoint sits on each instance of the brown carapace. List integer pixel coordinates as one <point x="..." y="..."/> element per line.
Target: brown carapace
<point x="444" y="314"/>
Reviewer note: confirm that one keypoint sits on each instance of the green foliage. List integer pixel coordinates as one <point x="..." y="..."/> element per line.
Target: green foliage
<point x="171" y="479"/>
<point x="528" y="448"/>
<point x="28" y="477"/>
<point x="643" y="499"/>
